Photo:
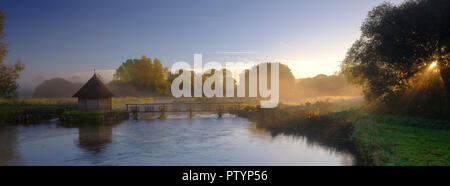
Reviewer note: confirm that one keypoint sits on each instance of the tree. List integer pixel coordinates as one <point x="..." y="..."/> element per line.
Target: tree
<point x="56" y="88"/>
<point x="203" y="77"/>
<point x="8" y="73"/>
<point x="286" y="80"/>
<point x="143" y="75"/>
<point x="398" y="43"/>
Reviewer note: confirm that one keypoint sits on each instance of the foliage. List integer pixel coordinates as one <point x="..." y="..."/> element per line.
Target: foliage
<point x="144" y="75"/>
<point x="8" y="74"/>
<point x="286" y="80"/>
<point x="8" y="114"/>
<point x="398" y="43"/>
<point x="26" y="112"/>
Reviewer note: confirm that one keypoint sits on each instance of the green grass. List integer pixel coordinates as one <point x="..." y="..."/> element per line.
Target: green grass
<point x="75" y="117"/>
<point x="402" y="140"/>
<point x="415" y="146"/>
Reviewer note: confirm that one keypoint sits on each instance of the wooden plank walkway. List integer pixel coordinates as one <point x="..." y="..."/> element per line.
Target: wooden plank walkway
<point x="184" y="107"/>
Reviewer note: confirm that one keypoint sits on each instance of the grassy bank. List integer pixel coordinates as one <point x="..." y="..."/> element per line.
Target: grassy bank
<point x="32" y="111"/>
<point x="402" y="140"/>
<point x="117" y="102"/>
<point x="75" y="117"/>
<point x="379" y="139"/>
<point x="323" y="129"/>
<point x="35" y="110"/>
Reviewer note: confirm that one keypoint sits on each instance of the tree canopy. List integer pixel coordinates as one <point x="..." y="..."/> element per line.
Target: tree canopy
<point x="8" y="73"/>
<point x="143" y="74"/>
<point x="286" y="80"/>
<point x="398" y="43"/>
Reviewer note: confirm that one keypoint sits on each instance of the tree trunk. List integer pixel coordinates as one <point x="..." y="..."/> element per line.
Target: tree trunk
<point x="445" y="74"/>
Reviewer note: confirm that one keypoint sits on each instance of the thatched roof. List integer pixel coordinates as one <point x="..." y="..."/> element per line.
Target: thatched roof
<point x="94" y="88"/>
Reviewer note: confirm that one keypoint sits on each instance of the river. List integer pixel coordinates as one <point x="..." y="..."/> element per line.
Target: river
<point x="178" y="140"/>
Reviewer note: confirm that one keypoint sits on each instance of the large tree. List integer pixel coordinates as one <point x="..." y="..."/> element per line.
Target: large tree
<point x="397" y="43"/>
<point x="143" y="74"/>
<point x="8" y="73"/>
<point x="286" y="80"/>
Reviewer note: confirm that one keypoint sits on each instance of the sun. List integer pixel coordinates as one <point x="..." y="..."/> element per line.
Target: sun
<point x="432" y="65"/>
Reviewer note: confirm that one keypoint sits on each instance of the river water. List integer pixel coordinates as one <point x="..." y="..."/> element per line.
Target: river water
<point x="178" y="140"/>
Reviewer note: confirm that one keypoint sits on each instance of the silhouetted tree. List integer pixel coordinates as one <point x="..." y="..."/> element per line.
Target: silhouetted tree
<point x="8" y="74"/>
<point x="398" y="42"/>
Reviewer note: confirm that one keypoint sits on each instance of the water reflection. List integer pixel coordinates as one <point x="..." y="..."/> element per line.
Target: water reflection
<point x="203" y="140"/>
<point x="8" y="141"/>
<point x="334" y="143"/>
<point x="92" y="137"/>
<point x="95" y="137"/>
<point x="338" y="147"/>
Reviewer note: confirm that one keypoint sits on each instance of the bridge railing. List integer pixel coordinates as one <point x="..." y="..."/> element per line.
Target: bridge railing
<point x="184" y="107"/>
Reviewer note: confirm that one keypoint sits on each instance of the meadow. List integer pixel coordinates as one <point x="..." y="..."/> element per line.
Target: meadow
<point x="402" y="140"/>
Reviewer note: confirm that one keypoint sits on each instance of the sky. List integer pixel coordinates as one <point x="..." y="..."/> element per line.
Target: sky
<point x="55" y="38"/>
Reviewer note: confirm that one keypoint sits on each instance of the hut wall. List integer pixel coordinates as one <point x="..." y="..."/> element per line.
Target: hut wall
<point x="94" y="105"/>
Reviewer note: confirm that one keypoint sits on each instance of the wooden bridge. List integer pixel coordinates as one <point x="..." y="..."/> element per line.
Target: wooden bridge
<point x="219" y="107"/>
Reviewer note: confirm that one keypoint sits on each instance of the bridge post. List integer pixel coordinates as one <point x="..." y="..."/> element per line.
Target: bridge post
<point x="220" y="111"/>
<point x="190" y="110"/>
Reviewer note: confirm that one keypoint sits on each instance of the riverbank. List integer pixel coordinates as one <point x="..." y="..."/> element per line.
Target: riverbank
<point x="26" y="113"/>
<point x="35" y="110"/>
<point x="307" y="120"/>
<point x="75" y="117"/>
<point x="379" y="139"/>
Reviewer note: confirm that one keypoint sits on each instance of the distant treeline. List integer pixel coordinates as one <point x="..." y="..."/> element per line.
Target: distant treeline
<point x="145" y="77"/>
<point x="56" y="88"/>
<point x="323" y="85"/>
